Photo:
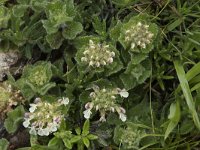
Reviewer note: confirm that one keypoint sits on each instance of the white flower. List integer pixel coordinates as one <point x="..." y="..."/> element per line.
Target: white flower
<point x="87" y="113"/>
<point x="40" y="131"/>
<point x="53" y="127"/>
<point x="65" y="101"/>
<point x="122" y="116"/>
<point x="26" y="123"/>
<point x="33" y="107"/>
<point x="46" y="131"/>
<point x="102" y="119"/>
<point x="123" y="93"/>
<point x="33" y="131"/>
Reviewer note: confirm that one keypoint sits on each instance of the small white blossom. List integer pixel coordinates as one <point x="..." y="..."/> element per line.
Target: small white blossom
<point x="64" y="101"/>
<point x="122" y="117"/>
<point x="26" y="123"/>
<point x="33" y="107"/>
<point x="87" y="113"/>
<point x="123" y="93"/>
<point x="33" y="131"/>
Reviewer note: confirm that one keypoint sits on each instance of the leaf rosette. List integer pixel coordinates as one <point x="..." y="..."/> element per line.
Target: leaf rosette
<point x="36" y="79"/>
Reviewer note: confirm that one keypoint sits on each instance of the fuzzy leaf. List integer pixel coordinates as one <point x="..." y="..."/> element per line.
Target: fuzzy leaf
<point x="100" y="27"/>
<point x="55" y="40"/>
<point x="136" y="74"/>
<point x="14" y="118"/>
<point x="72" y="30"/>
<point x="4" y="144"/>
<point x="19" y="10"/>
<point x="4" y="17"/>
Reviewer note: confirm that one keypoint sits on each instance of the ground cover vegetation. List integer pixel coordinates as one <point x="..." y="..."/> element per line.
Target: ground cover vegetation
<point x="99" y="74"/>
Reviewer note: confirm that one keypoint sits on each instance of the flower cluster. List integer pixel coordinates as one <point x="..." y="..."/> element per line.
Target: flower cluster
<point x="44" y="118"/>
<point x="39" y="78"/>
<point x="138" y="36"/>
<point x="104" y="100"/>
<point x="130" y="138"/>
<point x="8" y="97"/>
<point x="97" y="55"/>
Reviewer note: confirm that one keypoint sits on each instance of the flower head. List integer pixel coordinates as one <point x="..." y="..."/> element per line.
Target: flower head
<point x="98" y="54"/>
<point x="105" y="100"/>
<point x="138" y="36"/>
<point x="44" y="118"/>
<point x="130" y="137"/>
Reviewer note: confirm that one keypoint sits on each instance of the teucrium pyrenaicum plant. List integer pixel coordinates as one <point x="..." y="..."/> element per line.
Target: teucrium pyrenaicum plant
<point x="36" y="78"/>
<point x="105" y="100"/>
<point x="43" y="117"/>
<point x="138" y="37"/>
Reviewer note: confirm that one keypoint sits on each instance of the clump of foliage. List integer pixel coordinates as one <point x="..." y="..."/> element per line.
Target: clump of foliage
<point x="100" y="74"/>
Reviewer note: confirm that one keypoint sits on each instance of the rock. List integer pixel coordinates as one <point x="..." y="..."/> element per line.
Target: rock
<point x="7" y="59"/>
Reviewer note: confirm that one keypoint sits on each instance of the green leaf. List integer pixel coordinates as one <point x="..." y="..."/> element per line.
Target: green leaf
<point x="114" y="67"/>
<point x="99" y="26"/>
<point x="78" y="131"/>
<point x="86" y="142"/>
<point x="72" y="30"/>
<point x="174" y="117"/>
<point x="115" y="31"/>
<point x="86" y="128"/>
<point x="75" y="139"/>
<point x="175" y="24"/>
<point x="43" y="90"/>
<point x="67" y="143"/>
<point x="14" y="119"/>
<point x="54" y="141"/>
<point x="50" y="27"/>
<point x="136" y="74"/>
<point x="55" y="40"/>
<point x="186" y="92"/>
<point x="4" y="144"/>
<point x="19" y="10"/>
<point x="4" y="17"/>
<point x="92" y="137"/>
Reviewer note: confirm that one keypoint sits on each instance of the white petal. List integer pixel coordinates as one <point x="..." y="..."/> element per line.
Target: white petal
<point x="65" y="101"/>
<point x="122" y="117"/>
<point x="87" y="113"/>
<point x="33" y="107"/>
<point x="46" y="131"/>
<point x="26" y="123"/>
<point x="124" y="93"/>
<point x="102" y="119"/>
<point x="40" y="132"/>
<point x="33" y="131"/>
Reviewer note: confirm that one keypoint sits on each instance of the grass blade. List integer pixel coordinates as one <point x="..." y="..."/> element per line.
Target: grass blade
<point x="186" y="92"/>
